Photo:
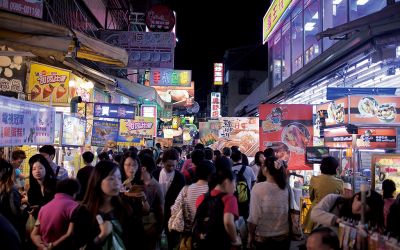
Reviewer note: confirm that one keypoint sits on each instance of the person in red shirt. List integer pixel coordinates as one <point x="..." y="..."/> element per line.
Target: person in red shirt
<point x="225" y="182"/>
<point x="197" y="156"/>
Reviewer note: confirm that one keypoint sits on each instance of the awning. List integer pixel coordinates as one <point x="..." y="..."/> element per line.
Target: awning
<point x="46" y="39"/>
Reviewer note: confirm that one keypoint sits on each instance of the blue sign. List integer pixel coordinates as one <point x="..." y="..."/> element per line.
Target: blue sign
<point x="74" y="131"/>
<point x="104" y="133"/>
<point x="106" y="110"/>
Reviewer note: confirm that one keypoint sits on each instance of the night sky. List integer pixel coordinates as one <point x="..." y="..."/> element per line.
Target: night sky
<point x="205" y="29"/>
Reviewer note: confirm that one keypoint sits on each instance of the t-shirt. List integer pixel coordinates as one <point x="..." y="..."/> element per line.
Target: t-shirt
<point x="62" y="174"/>
<point x="248" y="174"/>
<point x="187" y="174"/>
<point x="229" y="200"/>
<point x="166" y="180"/>
<point x="17" y="179"/>
<point x="186" y="165"/>
<point x="194" y="191"/>
<point x="155" y="193"/>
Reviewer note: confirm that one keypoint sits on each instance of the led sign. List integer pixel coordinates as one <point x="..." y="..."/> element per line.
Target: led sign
<point x="170" y="77"/>
<point x="218" y="71"/>
<point x="275" y="11"/>
<point x="215" y="104"/>
<point x="106" y="110"/>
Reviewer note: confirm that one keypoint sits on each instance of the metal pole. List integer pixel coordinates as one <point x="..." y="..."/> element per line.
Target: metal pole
<point x="364" y="190"/>
<point x="353" y="161"/>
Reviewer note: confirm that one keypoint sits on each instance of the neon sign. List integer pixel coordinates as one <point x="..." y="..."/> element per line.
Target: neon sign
<point x="275" y="11"/>
<point x="218" y="71"/>
<point x="170" y="77"/>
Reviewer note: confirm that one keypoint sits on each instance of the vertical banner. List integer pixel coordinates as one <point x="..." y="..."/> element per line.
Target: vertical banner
<point x="218" y="71"/>
<point x="288" y="130"/>
<point x="208" y="134"/>
<point x="74" y="131"/>
<point x="150" y="111"/>
<point x="215" y="104"/>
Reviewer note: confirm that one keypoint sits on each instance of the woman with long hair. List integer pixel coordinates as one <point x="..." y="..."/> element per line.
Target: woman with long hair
<point x="42" y="183"/>
<point x="388" y="187"/>
<point x="102" y="198"/>
<point x="258" y="162"/>
<point x="269" y="207"/>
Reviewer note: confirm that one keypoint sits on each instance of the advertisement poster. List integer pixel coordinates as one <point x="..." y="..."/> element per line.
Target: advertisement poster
<point x="165" y="143"/>
<point x="145" y="49"/>
<point x="239" y="131"/>
<point x="74" y="131"/>
<point x="208" y="134"/>
<point x="12" y="75"/>
<point x="376" y="110"/>
<point x="166" y="113"/>
<point x="130" y="131"/>
<point x="25" y="123"/>
<point x="104" y="134"/>
<point x="89" y="127"/>
<point x="47" y="83"/>
<point x="100" y="96"/>
<point x="150" y="111"/>
<point x="57" y="129"/>
<point x="337" y="111"/>
<point x="106" y="110"/>
<point x="288" y="130"/>
<point x="215" y="104"/>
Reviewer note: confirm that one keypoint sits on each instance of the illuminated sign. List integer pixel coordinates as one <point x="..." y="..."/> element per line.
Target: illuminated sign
<point x="106" y="110"/>
<point x="151" y="112"/>
<point x="218" y="71"/>
<point x="275" y="11"/>
<point x="215" y="104"/>
<point x="170" y="77"/>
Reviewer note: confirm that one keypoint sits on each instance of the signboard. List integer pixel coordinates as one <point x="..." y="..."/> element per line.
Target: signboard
<point x="150" y="111"/>
<point x="275" y="11"/>
<point x="74" y="131"/>
<point x="23" y="7"/>
<point x="57" y="128"/>
<point x="337" y="111"/>
<point x="104" y="133"/>
<point x="82" y="88"/>
<point x="145" y="49"/>
<point x="131" y="130"/>
<point x="12" y="75"/>
<point x="375" y="110"/>
<point x="48" y="84"/>
<point x="106" y="110"/>
<point x="215" y="104"/>
<point x="164" y="142"/>
<point x="239" y="131"/>
<point x="177" y="95"/>
<point x="166" y="113"/>
<point x="170" y="78"/>
<point x="160" y="18"/>
<point x="208" y="134"/>
<point x="218" y="73"/>
<point x="288" y="130"/>
<point x="100" y="96"/>
<point x="25" y="123"/>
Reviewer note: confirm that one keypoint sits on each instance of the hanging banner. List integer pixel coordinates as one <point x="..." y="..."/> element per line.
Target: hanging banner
<point x="288" y="129"/>
<point x="239" y="131"/>
<point x="131" y="130"/>
<point x="105" y="134"/>
<point x="208" y="134"/>
<point x="74" y="131"/>
<point x="337" y="111"/>
<point x="166" y="113"/>
<point x="374" y="110"/>
<point x="26" y="123"/>
<point x="48" y="84"/>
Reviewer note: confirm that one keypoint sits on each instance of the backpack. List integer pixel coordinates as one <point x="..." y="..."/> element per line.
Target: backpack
<point x="208" y="231"/>
<point x="242" y="193"/>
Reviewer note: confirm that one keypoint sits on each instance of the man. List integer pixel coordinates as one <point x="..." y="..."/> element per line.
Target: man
<point x="227" y="152"/>
<point x="248" y="173"/>
<point x="69" y="157"/>
<point x="158" y="150"/>
<point x="217" y="153"/>
<point x="49" y="152"/>
<point x="181" y="161"/>
<point x="102" y="156"/>
<point x="84" y="174"/>
<point x="172" y="182"/>
<point x="234" y="148"/>
<point x="188" y="162"/>
<point x="322" y="238"/>
<point x="18" y="158"/>
<point x="209" y="154"/>
<point x="197" y="156"/>
<point x="153" y="223"/>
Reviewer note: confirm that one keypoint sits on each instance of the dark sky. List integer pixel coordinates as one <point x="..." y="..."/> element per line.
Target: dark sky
<point x="205" y="29"/>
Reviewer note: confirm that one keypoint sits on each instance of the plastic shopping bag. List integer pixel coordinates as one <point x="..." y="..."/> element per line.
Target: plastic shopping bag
<point x="30" y="224"/>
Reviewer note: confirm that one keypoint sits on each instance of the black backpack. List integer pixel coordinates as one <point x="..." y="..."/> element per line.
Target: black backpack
<point x="208" y="230"/>
<point x="242" y="193"/>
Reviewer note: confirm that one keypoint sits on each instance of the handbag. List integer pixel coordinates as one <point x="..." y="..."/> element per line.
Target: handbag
<point x="179" y="221"/>
<point x="295" y="229"/>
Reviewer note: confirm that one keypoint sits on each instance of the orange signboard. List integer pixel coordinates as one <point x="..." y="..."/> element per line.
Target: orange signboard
<point x="374" y="110"/>
<point x="337" y="111"/>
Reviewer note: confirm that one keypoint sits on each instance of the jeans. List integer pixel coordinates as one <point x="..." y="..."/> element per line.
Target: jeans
<point x="272" y="244"/>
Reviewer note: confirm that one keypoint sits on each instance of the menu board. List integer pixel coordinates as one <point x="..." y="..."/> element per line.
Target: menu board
<point x="131" y="130"/>
<point x="288" y="130"/>
<point x="25" y="123"/>
<point x="374" y="109"/>
<point x="104" y="133"/>
<point x="337" y="111"/>
<point x="208" y="134"/>
<point x="74" y="131"/>
<point x="239" y="131"/>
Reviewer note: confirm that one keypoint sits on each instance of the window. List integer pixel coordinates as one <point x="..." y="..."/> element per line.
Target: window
<point x="286" y="60"/>
<point x="297" y="37"/>
<point x="335" y="14"/>
<point x="312" y="26"/>
<point x="277" y="57"/>
<point x="361" y="8"/>
<point x="245" y="87"/>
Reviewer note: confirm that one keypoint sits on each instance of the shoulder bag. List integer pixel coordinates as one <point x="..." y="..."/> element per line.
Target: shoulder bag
<point x="179" y="221"/>
<point x="295" y="230"/>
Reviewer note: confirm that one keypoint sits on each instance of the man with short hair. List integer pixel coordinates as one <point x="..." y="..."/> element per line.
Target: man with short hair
<point x="209" y="154"/>
<point x="197" y="156"/>
<point x="322" y="238"/>
<point x="234" y="148"/>
<point x="102" y="156"/>
<point x="188" y="162"/>
<point x="217" y="153"/>
<point x="181" y="161"/>
<point x="227" y="152"/>
<point x="84" y="174"/>
<point x="248" y="172"/>
<point x="49" y="152"/>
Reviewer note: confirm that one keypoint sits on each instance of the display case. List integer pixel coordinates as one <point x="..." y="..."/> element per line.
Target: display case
<point x="385" y="166"/>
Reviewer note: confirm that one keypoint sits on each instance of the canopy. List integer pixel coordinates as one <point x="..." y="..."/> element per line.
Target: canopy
<point x="46" y="39"/>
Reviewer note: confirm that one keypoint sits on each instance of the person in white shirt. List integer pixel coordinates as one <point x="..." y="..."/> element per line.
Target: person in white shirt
<point x="259" y="161"/>
<point x="248" y="174"/>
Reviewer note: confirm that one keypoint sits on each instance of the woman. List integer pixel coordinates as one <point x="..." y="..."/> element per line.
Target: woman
<point x="268" y="152"/>
<point x="331" y="209"/>
<point x="269" y="208"/>
<point x="393" y="219"/>
<point x="102" y="198"/>
<point x="42" y="183"/>
<point x="321" y="186"/>
<point x="388" y="187"/>
<point x="224" y="182"/>
<point x="258" y="162"/>
<point x="10" y="198"/>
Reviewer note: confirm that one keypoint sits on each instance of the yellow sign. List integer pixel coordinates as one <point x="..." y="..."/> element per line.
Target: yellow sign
<point x="275" y="11"/>
<point x="131" y="131"/>
<point x="46" y="83"/>
<point x="82" y="88"/>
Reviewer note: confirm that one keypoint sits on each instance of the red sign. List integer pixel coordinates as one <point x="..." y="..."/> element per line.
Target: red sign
<point x="23" y="7"/>
<point x="218" y="71"/>
<point x="215" y="104"/>
<point x="160" y="18"/>
<point x="288" y="130"/>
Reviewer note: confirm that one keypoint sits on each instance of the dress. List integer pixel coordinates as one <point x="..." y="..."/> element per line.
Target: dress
<point x="321" y="186"/>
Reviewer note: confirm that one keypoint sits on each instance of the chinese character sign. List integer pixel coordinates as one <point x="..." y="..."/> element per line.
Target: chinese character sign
<point x="151" y="112"/>
<point x="74" y="131"/>
<point x="23" y="7"/>
<point x="218" y="71"/>
<point x="215" y="104"/>
<point x="179" y="95"/>
<point x="166" y="113"/>
<point x="132" y="130"/>
<point x="104" y="133"/>
<point x="170" y="77"/>
<point x="25" y="123"/>
<point x="275" y="11"/>
<point x="114" y="111"/>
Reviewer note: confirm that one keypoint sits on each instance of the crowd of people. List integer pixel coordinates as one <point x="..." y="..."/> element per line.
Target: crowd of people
<point x="130" y="199"/>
